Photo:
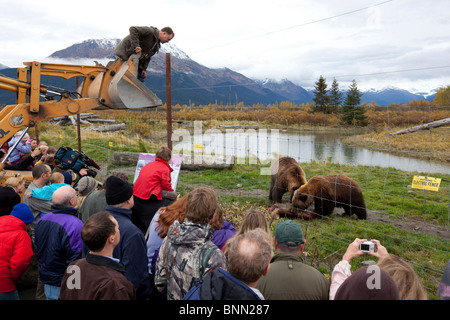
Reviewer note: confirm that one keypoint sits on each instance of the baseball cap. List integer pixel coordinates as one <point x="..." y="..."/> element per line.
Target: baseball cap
<point x="289" y="233"/>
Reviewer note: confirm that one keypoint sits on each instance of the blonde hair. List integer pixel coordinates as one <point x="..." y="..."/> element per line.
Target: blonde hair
<point x="15" y="180"/>
<point x="404" y="276"/>
<point x="253" y="219"/>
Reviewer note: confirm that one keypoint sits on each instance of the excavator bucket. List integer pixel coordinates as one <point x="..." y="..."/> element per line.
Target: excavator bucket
<point x="120" y="88"/>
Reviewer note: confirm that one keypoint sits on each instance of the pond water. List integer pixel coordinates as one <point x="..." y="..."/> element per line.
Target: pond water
<point x="304" y="147"/>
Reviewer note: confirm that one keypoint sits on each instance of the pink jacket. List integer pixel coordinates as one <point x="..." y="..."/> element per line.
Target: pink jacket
<point x="340" y="273"/>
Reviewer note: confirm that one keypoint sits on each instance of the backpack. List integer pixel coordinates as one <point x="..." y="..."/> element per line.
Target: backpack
<point x="69" y="159"/>
<point x="198" y="260"/>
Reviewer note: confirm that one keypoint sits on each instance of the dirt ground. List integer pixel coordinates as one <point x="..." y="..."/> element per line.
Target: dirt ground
<point x="414" y="226"/>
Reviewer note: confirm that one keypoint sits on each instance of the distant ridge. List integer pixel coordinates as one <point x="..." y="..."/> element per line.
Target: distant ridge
<point x="193" y="83"/>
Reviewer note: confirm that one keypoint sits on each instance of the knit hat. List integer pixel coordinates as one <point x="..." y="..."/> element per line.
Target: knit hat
<point x="289" y="233"/>
<point x="23" y="212"/>
<point x="368" y="284"/>
<point x="86" y="185"/>
<point x="117" y="190"/>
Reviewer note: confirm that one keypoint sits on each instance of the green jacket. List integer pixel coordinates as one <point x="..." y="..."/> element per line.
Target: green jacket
<point x="290" y="279"/>
<point x="145" y="37"/>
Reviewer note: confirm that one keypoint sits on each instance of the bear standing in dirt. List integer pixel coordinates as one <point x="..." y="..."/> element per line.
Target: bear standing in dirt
<point x="286" y="176"/>
<point x="328" y="192"/>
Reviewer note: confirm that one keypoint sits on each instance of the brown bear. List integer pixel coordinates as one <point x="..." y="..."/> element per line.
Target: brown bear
<point x="328" y="192"/>
<point x="286" y="176"/>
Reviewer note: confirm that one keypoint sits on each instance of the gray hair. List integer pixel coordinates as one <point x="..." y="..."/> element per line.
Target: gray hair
<point x="248" y="255"/>
<point x="62" y="196"/>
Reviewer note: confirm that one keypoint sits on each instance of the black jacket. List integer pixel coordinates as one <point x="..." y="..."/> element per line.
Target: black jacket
<point x="8" y="199"/>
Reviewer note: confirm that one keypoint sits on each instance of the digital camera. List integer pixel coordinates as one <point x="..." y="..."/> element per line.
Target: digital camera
<point x="367" y="246"/>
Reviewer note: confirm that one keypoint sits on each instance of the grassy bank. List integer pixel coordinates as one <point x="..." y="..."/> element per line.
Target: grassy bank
<point x="428" y="145"/>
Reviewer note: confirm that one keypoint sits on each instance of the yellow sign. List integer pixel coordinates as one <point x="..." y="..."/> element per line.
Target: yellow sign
<point x="198" y="146"/>
<point x="426" y="183"/>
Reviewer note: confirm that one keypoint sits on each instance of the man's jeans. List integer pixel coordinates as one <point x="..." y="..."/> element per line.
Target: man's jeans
<point x="51" y="292"/>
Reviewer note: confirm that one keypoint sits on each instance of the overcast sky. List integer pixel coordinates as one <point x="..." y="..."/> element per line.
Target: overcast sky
<point x="379" y="43"/>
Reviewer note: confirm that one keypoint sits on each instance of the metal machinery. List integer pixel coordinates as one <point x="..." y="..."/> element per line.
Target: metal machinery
<point x="115" y="87"/>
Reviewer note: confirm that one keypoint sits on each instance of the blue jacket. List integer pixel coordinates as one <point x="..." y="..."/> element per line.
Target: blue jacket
<point x="46" y="192"/>
<point x="220" y="285"/>
<point x="58" y="243"/>
<point x="132" y="252"/>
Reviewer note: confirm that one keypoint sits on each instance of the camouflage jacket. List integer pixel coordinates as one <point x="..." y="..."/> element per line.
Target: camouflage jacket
<point x="186" y="256"/>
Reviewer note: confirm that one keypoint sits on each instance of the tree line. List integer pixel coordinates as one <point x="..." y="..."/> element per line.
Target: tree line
<point x="332" y="101"/>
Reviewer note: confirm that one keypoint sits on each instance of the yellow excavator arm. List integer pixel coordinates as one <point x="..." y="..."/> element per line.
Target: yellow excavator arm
<point x="115" y="86"/>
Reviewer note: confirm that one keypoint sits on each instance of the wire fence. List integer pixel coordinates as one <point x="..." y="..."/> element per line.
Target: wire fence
<point x="234" y="158"/>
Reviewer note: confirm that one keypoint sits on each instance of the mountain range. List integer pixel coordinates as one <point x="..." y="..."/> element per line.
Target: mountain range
<point x="193" y="83"/>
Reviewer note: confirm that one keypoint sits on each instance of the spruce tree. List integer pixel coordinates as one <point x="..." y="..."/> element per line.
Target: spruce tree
<point x="321" y="99"/>
<point x="352" y="111"/>
<point x="335" y="97"/>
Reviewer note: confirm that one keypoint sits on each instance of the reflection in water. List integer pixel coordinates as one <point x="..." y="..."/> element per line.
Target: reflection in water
<point x="267" y="144"/>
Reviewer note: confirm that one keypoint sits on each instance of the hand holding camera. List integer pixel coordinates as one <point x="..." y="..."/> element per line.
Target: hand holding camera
<point x="363" y="246"/>
<point x="381" y="250"/>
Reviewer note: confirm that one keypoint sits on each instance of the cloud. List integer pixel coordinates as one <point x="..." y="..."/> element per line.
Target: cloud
<point x="286" y="39"/>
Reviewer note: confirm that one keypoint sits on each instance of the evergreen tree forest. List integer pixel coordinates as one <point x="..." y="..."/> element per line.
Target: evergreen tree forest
<point x="331" y="101"/>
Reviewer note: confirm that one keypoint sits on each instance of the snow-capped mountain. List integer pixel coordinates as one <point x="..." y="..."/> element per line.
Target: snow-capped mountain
<point x="195" y="83"/>
<point x="174" y="51"/>
<point x="392" y="94"/>
<point x="287" y="89"/>
<point x="104" y="49"/>
<point x="429" y="95"/>
<point x="191" y="81"/>
<point x="92" y="49"/>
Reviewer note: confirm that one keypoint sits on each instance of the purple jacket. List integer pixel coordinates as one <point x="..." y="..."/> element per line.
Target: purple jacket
<point x="221" y="236"/>
<point x="21" y="147"/>
<point x="58" y="243"/>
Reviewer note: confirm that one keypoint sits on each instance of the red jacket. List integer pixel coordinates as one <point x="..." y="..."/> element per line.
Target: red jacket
<point x="15" y="251"/>
<point x="153" y="178"/>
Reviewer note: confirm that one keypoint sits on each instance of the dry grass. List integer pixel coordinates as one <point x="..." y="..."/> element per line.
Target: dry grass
<point x="431" y="144"/>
